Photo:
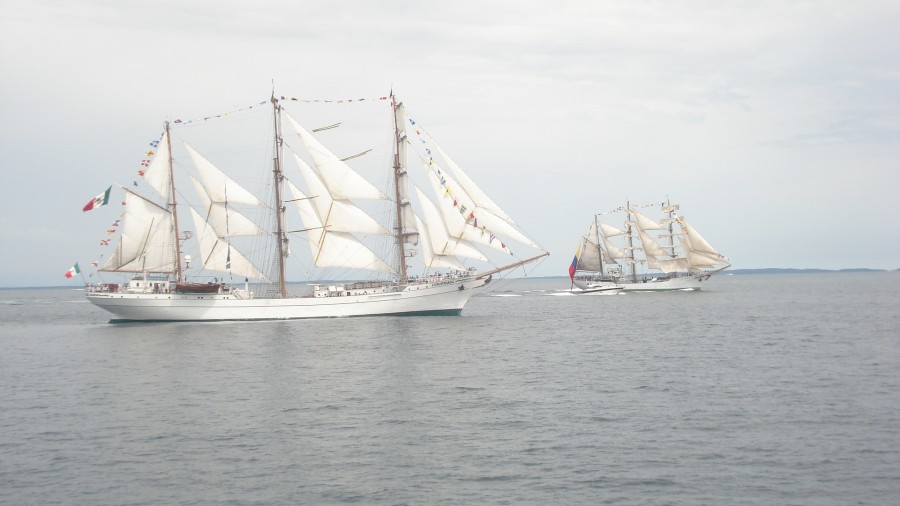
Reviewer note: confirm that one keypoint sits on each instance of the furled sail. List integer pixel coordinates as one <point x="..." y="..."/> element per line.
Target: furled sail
<point x="146" y="242"/>
<point x="333" y="249"/>
<point x="342" y="181"/>
<point x="217" y="254"/>
<point x="407" y="217"/>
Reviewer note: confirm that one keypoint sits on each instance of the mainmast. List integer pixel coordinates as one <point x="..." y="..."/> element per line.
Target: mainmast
<point x="399" y="172"/>
<point x="172" y="204"/>
<point x="278" y="177"/>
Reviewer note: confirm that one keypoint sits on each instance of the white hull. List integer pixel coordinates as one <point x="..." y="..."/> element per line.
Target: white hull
<point x="445" y="298"/>
<point x="680" y="283"/>
<point x="603" y="288"/>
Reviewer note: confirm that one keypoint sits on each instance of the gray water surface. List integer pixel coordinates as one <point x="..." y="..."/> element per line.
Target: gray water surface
<point x="775" y="389"/>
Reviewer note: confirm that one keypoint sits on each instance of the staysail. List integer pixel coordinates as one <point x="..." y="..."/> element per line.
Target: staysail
<point x="146" y="243"/>
<point x="439" y="238"/>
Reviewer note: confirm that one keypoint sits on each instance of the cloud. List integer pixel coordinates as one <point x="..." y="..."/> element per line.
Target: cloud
<point x="581" y="104"/>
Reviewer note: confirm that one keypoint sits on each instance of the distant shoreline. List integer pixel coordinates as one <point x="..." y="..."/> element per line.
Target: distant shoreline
<point x="776" y="270"/>
<point x="766" y="270"/>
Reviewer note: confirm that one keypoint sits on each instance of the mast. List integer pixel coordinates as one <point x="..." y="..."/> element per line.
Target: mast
<point x="172" y="204"/>
<point x="599" y="249"/>
<point x="399" y="171"/>
<point x="670" y="211"/>
<point x="630" y="241"/>
<point x="279" y="205"/>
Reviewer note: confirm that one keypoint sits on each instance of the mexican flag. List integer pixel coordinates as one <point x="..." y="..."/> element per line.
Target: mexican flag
<point x="73" y="270"/>
<point x="99" y="200"/>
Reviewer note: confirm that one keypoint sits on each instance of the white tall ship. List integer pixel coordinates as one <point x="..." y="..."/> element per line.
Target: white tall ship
<point x="644" y="254"/>
<point x="421" y="245"/>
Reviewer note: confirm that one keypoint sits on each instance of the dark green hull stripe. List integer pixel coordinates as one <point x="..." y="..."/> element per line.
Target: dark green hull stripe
<point x="436" y="312"/>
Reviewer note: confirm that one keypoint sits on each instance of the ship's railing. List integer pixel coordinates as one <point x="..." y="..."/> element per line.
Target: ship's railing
<point x="151" y="288"/>
<point x="380" y="287"/>
<point x="105" y="288"/>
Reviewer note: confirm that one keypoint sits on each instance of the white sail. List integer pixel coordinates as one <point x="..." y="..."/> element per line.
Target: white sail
<point x="649" y="245"/>
<point x="217" y="254"/>
<point x="475" y="192"/>
<point x="342" y="181"/>
<point x="157" y="173"/>
<point x="614" y="250"/>
<point x="645" y="222"/>
<point x="430" y="258"/>
<point x="145" y="238"/>
<point x="457" y="213"/>
<point x="609" y="230"/>
<point x="336" y="215"/>
<point x="333" y="249"/>
<point x="590" y="255"/>
<point x="439" y="238"/>
<point x="589" y="259"/>
<point x="220" y="187"/>
<point x="697" y="260"/>
<point x="695" y="241"/>
<point x="669" y="265"/>
<point x="479" y="205"/>
<point x="225" y="221"/>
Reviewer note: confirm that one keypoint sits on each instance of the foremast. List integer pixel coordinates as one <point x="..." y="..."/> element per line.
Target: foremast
<point x="278" y="179"/>
<point x="173" y="208"/>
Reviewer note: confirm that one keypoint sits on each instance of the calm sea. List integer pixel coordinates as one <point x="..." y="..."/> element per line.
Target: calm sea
<point x="770" y="389"/>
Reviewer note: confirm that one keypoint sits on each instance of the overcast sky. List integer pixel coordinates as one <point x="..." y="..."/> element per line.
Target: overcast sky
<point x="775" y="125"/>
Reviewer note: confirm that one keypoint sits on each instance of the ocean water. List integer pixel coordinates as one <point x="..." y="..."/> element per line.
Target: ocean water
<point x="771" y="389"/>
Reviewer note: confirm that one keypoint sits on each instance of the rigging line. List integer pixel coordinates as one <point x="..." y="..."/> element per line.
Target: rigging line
<point x="329" y="127"/>
<point x="304" y="198"/>
<point x="307" y="229"/>
<point x="356" y="155"/>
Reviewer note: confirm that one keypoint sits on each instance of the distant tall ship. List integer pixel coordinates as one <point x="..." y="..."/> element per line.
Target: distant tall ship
<point x="421" y="247"/>
<point x="611" y="259"/>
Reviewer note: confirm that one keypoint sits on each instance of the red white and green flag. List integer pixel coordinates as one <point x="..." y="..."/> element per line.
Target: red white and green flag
<point x="99" y="200"/>
<point x="73" y="271"/>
